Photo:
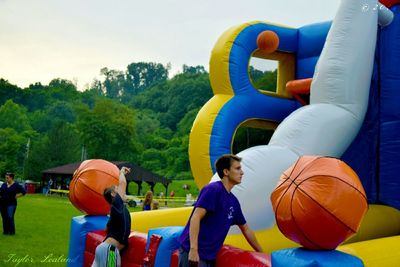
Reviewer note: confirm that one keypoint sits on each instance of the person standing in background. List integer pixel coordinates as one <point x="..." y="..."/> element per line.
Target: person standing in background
<point x="9" y="192"/>
<point x="148" y="200"/>
<point x="49" y="185"/>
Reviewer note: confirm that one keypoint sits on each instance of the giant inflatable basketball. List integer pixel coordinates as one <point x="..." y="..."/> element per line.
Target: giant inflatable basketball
<point x="88" y="184"/>
<point x="319" y="202"/>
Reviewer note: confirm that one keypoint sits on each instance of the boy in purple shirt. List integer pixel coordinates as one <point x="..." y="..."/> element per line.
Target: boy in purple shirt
<point x="215" y="211"/>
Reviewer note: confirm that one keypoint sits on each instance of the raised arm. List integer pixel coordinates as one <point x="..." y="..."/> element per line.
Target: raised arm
<point x="121" y="189"/>
<point x="250" y="237"/>
<point x="194" y="229"/>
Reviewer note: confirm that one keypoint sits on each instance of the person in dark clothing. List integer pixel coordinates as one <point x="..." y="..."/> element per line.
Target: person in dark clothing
<point x="118" y="226"/>
<point x="9" y="192"/>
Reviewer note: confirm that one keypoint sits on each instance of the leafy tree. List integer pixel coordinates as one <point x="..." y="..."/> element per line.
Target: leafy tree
<point x="108" y="131"/>
<point x="44" y="120"/>
<point x="264" y="80"/>
<point x="147" y="125"/>
<point x="114" y="83"/>
<point x="174" y="98"/>
<point x="177" y="157"/>
<point x="40" y="121"/>
<point x="155" y="141"/>
<point x="89" y="96"/>
<point x="186" y="123"/>
<point x="154" y="159"/>
<point x="151" y="129"/>
<point x="9" y="91"/>
<point x="63" y="90"/>
<point x="62" y="110"/>
<point x="193" y="70"/>
<point x="63" y="144"/>
<point x="187" y="92"/>
<point x="36" y="97"/>
<point x="255" y="74"/>
<point x="143" y="75"/>
<point x="38" y="159"/>
<point x="12" y="150"/>
<point x="14" y="116"/>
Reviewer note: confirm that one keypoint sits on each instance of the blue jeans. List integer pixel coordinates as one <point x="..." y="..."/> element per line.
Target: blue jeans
<point x="7" y="213"/>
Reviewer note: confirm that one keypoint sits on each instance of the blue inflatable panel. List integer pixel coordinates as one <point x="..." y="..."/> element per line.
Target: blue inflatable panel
<point x="389" y="165"/>
<point x="362" y="155"/>
<point x="305" y="67"/>
<point x="300" y="257"/>
<point x="312" y="39"/>
<point x="244" y="46"/>
<point x="80" y="226"/>
<point x="169" y="243"/>
<point x="241" y="108"/>
<point x="247" y="102"/>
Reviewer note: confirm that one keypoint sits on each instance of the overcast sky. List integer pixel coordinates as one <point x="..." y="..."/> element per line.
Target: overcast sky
<point x="73" y="39"/>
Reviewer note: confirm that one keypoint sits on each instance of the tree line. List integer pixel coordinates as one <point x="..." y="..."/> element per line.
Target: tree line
<point x="139" y="115"/>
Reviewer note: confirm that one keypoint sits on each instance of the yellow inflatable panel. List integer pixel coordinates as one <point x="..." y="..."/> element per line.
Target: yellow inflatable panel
<point x="383" y="252"/>
<point x="270" y="240"/>
<point x="380" y="221"/>
<point x="143" y="221"/>
<point x="199" y="145"/>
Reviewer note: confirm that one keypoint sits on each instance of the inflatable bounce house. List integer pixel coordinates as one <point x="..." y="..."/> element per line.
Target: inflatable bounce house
<point x="325" y="190"/>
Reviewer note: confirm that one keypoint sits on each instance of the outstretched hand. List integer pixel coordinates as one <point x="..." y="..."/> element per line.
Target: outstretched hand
<point x="125" y="170"/>
<point x="193" y="258"/>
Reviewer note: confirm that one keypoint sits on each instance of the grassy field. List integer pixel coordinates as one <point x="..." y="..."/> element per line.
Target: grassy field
<point x="43" y="225"/>
<point x="42" y="232"/>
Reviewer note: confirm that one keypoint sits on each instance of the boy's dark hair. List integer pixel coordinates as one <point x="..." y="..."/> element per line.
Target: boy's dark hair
<point x="10" y="174"/>
<point x="225" y="162"/>
<point x="107" y="194"/>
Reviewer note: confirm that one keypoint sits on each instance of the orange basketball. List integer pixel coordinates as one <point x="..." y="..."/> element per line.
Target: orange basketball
<point x="87" y="186"/>
<point x="319" y="202"/>
<point x="268" y="41"/>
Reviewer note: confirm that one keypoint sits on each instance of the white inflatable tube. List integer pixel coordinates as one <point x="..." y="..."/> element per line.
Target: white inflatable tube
<point x="385" y="15"/>
<point x="338" y="102"/>
<point x="340" y="87"/>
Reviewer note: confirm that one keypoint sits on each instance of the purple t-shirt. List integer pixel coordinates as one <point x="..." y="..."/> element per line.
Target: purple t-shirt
<point x="223" y="210"/>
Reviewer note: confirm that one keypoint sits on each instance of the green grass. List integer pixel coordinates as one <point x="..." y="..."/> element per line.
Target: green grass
<point x="42" y="232"/>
